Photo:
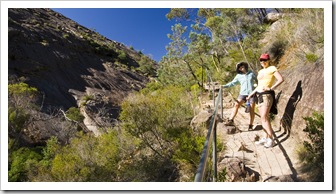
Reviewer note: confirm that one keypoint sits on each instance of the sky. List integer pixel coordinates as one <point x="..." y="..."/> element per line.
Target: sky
<point x="145" y="29"/>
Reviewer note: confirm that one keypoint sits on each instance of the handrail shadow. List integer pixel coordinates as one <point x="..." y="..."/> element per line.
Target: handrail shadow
<point x="290" y="164"/>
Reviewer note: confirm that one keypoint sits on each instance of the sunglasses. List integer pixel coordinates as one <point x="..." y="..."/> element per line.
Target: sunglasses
<point x="263" y="60"/>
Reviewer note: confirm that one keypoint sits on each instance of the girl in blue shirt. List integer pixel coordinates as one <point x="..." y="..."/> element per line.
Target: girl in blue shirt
<point x="245" y="78"/>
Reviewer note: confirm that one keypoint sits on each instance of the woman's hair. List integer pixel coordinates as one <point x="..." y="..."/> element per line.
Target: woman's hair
<point x="238" y="65"/>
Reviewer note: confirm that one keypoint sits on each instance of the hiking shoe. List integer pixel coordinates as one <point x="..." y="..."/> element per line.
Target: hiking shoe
<point x="229" y="122"/>
<point x="250" y="128"/>
<point x="269" y="143"/>
<point x="261" y="141"/>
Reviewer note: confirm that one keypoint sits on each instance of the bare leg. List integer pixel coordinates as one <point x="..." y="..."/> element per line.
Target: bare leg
<point x="265" y="121"/>
<point x="252" y="113"/>
<point x="235" y="108"/>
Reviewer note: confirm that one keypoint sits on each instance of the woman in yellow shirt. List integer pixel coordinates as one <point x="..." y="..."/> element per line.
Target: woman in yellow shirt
<point x="265" y="94"/>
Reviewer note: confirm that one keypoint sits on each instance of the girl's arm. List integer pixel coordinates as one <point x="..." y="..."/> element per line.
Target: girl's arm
<point x="232" y="83"/>
<point x="252" y="93"/>
<point x="279" y="78"/>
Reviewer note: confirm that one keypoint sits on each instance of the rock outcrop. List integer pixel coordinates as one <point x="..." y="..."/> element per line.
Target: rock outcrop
<point x="70" y="65"/>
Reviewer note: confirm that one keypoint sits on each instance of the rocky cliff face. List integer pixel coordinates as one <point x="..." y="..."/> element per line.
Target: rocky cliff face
<point x="300" y="95"/>
<point x="70" y="65"/>
<point x="67" y="61"/>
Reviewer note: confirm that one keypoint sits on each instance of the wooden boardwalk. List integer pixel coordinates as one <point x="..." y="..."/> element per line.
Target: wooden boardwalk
<point x="278" y="163"/>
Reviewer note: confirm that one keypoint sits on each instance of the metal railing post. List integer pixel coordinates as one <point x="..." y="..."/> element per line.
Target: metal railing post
<point x="214" y="154"/>
<point x="221" y="102"/>
<point x="213" y="93"/>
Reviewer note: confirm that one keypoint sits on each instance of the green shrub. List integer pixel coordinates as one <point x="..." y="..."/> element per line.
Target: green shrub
<point x="122" y="56"/>
<point x="312" y="153"/>
<point x="278" y="47"/>
<point x="86" y="98"/>
<point x="151" y="87"/>
<point x="20" y="101"/>
<point x="195" y="90"/>
<point x="87" y="159"/>
<point x="74" y="114"/>
<point x="221" y="176"/>
<point x="156" y="113"/>
<point x="51" y="149"/>
<point x="22" y="162"/>
<point x="22" y="89"/>
<point x="311" y="57"/>
<point x="146" y="66"/>
<point x="17" y="118"/>
<point x="160" y="120"/>
<point x="189" y="149"/>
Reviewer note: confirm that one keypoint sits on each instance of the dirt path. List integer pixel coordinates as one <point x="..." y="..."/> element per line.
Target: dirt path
<point x="273" y="164"/>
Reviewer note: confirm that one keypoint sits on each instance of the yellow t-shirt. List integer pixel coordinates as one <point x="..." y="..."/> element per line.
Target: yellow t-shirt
<point x="266" y="78"/>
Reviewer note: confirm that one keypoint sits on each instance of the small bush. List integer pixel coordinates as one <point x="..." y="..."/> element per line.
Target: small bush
<point x="86" y="98"/>
<point x="278" y="48"/>
<point x="222" y="176"/>
<point x="195" y="90"/>
<point x="21" y="162"/>
<point x="312" y="152"/>
<point x="122" y="56"/>
<point x="74" y="114"/>
<point x="22" y="89"/>
<point x="17" y="119"/>
<point x="311" y="57"/>
<point x="151" y="87"/>
<point x="146" y="66"/>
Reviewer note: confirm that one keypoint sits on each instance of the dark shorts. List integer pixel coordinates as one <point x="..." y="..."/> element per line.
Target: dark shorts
<point x="243" y="97"/>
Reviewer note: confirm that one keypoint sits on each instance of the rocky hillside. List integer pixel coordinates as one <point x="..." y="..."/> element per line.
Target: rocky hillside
<point x="71" y="65"/>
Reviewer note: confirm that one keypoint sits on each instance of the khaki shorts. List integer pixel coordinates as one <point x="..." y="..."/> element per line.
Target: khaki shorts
<point x="267" y="100"/>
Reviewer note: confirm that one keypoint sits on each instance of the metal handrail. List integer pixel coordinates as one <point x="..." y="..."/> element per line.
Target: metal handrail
<point x="211" y="137"/>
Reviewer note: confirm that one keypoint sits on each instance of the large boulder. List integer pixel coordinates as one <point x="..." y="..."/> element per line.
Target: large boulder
<point x="236" y="171"/>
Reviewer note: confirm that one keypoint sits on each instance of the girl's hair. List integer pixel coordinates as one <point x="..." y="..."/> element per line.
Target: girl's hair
<point x="238" y="65"/>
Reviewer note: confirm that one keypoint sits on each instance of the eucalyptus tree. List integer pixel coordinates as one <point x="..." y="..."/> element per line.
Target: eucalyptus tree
<point x="235" y="33"/>
<point x="218" y="38"/>
<point x="173" y="70"/>
<point x="198" y="48"/>
<point x="214" y="25"/>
